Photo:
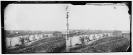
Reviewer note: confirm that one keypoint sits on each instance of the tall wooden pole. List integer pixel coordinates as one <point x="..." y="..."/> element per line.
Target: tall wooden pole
<point x="67" y="36"/>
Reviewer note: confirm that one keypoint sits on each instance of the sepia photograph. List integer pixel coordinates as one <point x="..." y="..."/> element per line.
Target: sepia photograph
<point x="66" y="27"/>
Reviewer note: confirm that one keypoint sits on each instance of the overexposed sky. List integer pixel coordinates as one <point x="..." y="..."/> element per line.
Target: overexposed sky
<point x="52" y="17"/>
<point x="48" y="17"/>
<point x="99" y="17"/>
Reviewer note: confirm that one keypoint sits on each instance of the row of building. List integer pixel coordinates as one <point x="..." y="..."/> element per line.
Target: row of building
<point x="22" y="40"/>
<point x="80" y="39"/>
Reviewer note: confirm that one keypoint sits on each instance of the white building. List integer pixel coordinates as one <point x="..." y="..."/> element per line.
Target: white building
<point x="92" y="37"/>
<point x="48" y="35"/>
<point x="100" y="35"/>
<point x="15" y="41"/>
<point x="8" y="42"/>
<point x="36" y="37"/>
<point x="75" y="40"/>
<point x="97" y="36"/>
<point x="31" y="37"/>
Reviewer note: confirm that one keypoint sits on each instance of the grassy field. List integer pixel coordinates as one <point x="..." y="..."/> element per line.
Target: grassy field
<point x="55" y="44"/>
<point x="108" y="44"/>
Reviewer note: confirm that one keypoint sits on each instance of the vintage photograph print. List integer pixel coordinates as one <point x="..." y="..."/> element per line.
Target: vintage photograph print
<point x="66" y="27"/>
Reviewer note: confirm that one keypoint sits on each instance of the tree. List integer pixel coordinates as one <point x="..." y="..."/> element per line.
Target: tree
<point x="22" y="40"/>
<point x="57" y="33"/>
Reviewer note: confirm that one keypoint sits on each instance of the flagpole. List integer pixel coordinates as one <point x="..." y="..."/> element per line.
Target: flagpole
<point x="67" y="36"/>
